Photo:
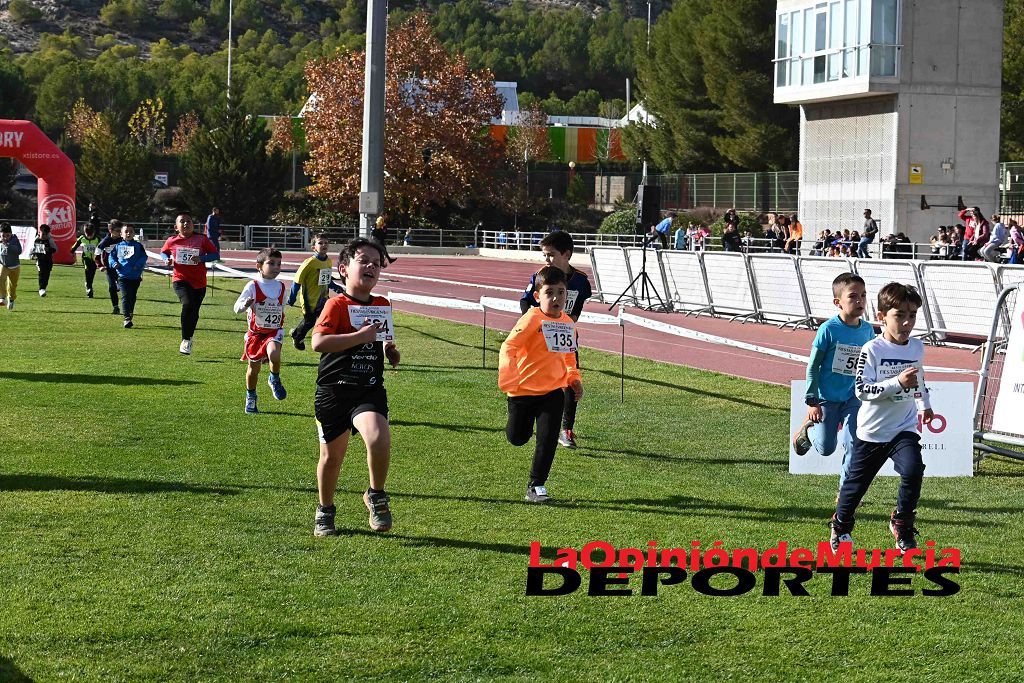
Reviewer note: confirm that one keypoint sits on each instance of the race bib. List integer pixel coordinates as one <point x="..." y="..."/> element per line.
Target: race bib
<point x="88" y="249"/>
<point x="359" y="315"/>
<point x="887" y="372"/>
<point x="324" y="278"/>
<point x="560" y="337"/>
<point x="269" y="315"/>
<point x="39" y="248"/>
<point x="126" y="251"/>
<point x="844" y="362"/>
<point x="187" y="256"/>
<point x="570" y="300"/>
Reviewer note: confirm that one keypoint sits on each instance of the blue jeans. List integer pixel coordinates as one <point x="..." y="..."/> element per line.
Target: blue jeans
<point x="862" y="246"/>
<point x="867" y="459"/>
<point x="824" y="435"/>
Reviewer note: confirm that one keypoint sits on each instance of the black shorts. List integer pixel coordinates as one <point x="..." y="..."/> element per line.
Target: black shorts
<point x="336" y="407"/>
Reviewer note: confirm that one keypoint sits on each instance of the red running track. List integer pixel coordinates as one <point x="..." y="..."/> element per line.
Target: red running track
<point x="470" y="277"/>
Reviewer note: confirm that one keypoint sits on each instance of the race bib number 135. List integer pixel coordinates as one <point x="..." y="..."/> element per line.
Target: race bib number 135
<point x="560" y="337"/>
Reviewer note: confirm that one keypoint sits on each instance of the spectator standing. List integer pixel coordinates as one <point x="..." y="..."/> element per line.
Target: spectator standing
<point x="94" y="218"/>
<point x="731" y="218"/>
<point x="213" y="223"/>
<point x="992" y="250"/>
<point x="731" y="238"/>
<point x="380" y="235"/>
<point x="974" y="223"/>
<point x="10" y="265"/>
<point x="867" y="235"/>
<point x="679" y="238"/>
<point x="662" y="228"/>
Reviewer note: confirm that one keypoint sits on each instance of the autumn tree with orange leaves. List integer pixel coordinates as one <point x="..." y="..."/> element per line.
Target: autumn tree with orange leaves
<point x="436" y="144"/>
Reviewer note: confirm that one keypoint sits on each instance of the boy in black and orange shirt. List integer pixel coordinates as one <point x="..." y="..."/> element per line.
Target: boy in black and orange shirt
<point x="537" y="364"/>
<point x="354" y="334"/>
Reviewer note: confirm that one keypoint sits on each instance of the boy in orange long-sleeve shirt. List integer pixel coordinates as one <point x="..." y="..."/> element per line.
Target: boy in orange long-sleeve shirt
<point x="538" y="360"/>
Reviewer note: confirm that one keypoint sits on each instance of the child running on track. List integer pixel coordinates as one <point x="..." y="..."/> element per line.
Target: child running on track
<point x="890" y="382"/>
<point x="103" y="251"/>
<point x="537" y="363"/>
<point x="89" y="242"/>
<point x="831" y="402"/>
<point x="189" y="253"/>
<point x="311" y="286"/>
<point x="557" y="248"/>
<point x="263" y="298"/>
<point x="10" y="265"/>
<point x="351" y="334"/>
<point x="43" y="250"/>
<point x="128" y="260"/>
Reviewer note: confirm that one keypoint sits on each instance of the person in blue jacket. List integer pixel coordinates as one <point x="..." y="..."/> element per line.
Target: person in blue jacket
<point x="128" y="259"/>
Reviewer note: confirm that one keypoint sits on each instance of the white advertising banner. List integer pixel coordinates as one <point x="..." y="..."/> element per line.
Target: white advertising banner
<point x="947" y="444"/>
<point x="1006" y="417"/>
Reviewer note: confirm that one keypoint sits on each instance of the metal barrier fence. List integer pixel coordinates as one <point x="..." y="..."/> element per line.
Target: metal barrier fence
<point x="959" y="298"/>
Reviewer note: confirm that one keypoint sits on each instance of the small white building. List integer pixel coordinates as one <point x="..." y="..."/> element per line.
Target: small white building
<point x="898" y="99"/>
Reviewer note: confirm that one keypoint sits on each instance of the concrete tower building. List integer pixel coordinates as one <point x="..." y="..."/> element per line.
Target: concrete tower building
<point x="898" y="99"/>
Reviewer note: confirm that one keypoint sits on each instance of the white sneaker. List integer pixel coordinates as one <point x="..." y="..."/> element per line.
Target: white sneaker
<point x="42" y="292"/>
<point x="537" y="494"/>
<point x="3" y="301"/>
<point x="186" y="347"/>
<point x="10" y="305"/>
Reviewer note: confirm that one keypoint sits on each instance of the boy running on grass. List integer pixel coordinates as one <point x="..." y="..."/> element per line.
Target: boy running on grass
<point x="890" y="383"/>
<point x="557" y="248"/>
<point x="537" y="364"/>
<point x="830" y="396"/>
<point x="263" y="298"/>
<point x="311" y="286"/>
<point x="351" y="334"/>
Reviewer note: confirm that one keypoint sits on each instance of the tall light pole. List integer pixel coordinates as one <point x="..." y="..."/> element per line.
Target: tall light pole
<point x="371" y="187"/>
<point x="230" y="15"/>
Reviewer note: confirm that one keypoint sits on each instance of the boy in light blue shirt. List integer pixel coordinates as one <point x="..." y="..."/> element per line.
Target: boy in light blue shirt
<point x="830" y="397"/>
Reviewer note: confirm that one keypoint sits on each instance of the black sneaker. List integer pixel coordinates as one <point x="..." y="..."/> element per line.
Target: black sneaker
<point x="840" y="533"/>
<point x="297" y="343"/>
<point x="379" y="506"/>
<point x="128" y="323"/>
<point x="903" y="531"/>
<point x="801" y="441"/>
<point x="324" y="521"/>
<point x="537" y="494"/>
<point x="116" y="311"/>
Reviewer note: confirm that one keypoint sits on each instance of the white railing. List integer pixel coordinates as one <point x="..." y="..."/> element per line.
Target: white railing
<point x="959" y="298"/>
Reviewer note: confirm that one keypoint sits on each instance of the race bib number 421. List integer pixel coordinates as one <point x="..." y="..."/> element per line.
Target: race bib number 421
<point x="560" y="337"/>
<point x="359" y="315"/>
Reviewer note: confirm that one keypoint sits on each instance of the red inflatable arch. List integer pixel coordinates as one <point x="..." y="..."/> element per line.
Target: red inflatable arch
<point x="23" y="141"/>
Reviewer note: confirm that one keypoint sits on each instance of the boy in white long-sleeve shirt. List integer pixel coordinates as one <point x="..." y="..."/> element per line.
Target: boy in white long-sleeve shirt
<point x="890" y="385"/>
<point x="263" y="298"/>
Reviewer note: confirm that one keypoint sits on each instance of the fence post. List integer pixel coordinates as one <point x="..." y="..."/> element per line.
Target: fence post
<point x="247" y="236"/>
<point x="305" y="238"/>
<point x="476" y="237"/>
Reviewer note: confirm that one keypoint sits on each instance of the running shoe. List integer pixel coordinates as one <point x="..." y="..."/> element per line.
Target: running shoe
<point x="10" y="305"/>
<point x="186" y="347"/>
<point x="116" y="311"/>
<point x="276" y="387"/>
<point x="42" y="292"/>
<point x="298" y="343"/>
<point x="250" y="404"/>
<point x="88" y="292"/>
<point x="567" y="438"/>
<point x="903" y="531"/>
<point x="323" y="523"/>
<point x="801" y="441"/>
<point x="537" y="494"/>
<point x="840" y="533"/>
<point x="128" y="323"/>
<point x="379" y="506"/>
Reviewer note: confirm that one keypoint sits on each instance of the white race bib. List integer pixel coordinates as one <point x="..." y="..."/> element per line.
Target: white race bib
<point x="187" y="256"/>
<point x="269" y="315"/>
<point x="560" y="337"/>
<point x="88" y="249"/>
<point x="844" y="362"/>
<point x="324" y="278"/>
<point x="125" y="251"/>
<point x="39" y="248"/>
<point x="359" y="315"/>
<point x="890" y="371"/>
<point x="570" y="300"/>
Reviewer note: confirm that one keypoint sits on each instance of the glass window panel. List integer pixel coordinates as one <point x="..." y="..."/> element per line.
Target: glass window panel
<point x="820" y="34"/>
<point x="883" y="38"/>
<point x="781" y="74"/>
<point x="819" y="69"/>
<point x="782" y="44"/>
<point x="809" y="30"/>
<point x="835" y="29"/>
<point x="864" y="36"/>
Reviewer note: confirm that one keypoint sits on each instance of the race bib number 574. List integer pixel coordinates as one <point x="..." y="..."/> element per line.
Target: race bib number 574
<point x="359" y="315"/>
<point x="560" y="337"/>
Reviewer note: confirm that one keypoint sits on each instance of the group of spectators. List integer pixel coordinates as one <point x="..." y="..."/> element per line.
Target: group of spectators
<point x="976" y="238"/>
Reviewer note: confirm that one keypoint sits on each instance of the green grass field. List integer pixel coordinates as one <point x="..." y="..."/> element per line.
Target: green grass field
<point x="151" y="530"/>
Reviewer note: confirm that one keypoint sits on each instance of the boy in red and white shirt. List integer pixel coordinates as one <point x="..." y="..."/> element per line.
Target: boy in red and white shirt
<point x="188" y="253"/>
<point x="263" y="298"/>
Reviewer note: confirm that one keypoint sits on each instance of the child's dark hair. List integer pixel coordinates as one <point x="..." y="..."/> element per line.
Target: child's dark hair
<point x="114" y="224"/>
<point x="896" y="294"/>
<point x="44" y="228"/>
<point x="350" y="249"/>
<point x="559" y="239"/>
<point x="318" y="236"/>
<point x="5" y="227"/>
<point x="267" y="253"/>
<point x="843" y="281"/>
<point x="549" y="275"/>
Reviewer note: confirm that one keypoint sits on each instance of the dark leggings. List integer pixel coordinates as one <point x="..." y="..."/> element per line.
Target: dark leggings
<point x="129" y="292"/>
<point x="45" y="267"/>
<point x="191" y="299"/>
<point x="90" y="272"/>
<point x="569" y="412"/>
<point x="308" y="321"/>
<point x="112" y="285"/>
<point x="867" y="460"/>
<point x="546" y="411"/>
